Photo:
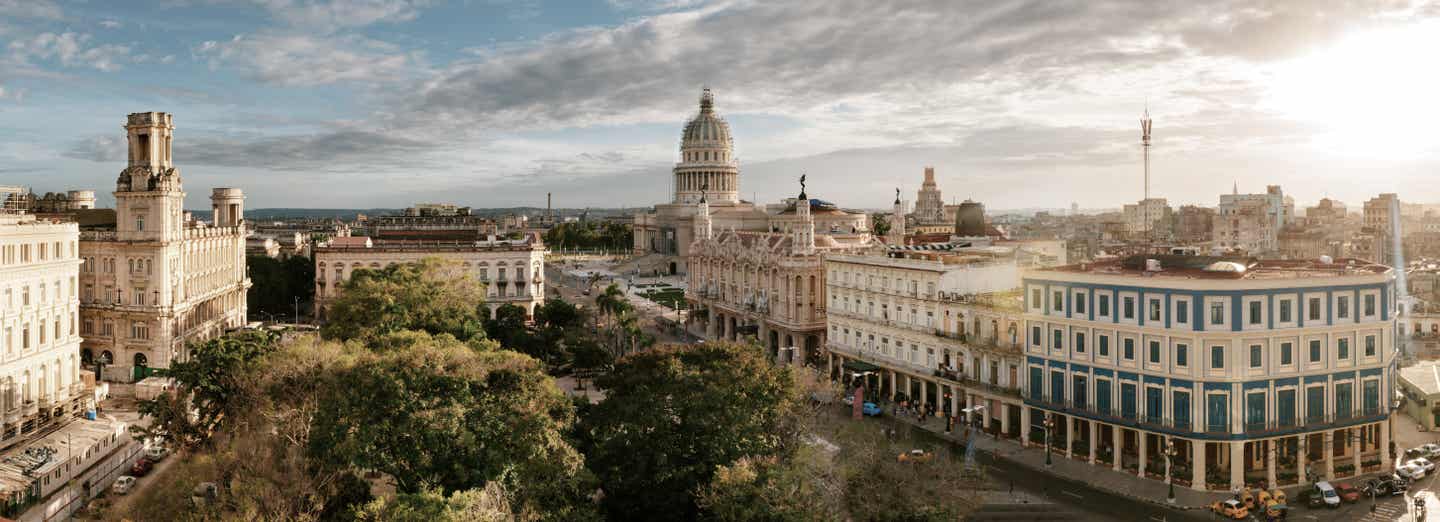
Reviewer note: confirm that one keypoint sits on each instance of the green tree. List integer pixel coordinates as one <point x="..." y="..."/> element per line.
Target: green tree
<point x="509" y="328"/>
<point x="431" y="296"/>
<point x="801" y="488"/>
<point x="213" y="385"/>
<point x="276" y="285"/>
<point x="674" y="415"/>
<point x="491" y="504"/>
<point x="440" y="414"/>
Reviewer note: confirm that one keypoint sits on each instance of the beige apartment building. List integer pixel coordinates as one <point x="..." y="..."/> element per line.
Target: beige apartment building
<point x="942" y="327"/>
<point x="154" y="280"/>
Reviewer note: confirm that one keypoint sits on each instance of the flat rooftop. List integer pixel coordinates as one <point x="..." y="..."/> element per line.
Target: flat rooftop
<point x="1223" y="267"/>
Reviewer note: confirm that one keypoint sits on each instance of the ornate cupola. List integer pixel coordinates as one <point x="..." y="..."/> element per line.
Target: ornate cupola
<point x="803" y="234"/>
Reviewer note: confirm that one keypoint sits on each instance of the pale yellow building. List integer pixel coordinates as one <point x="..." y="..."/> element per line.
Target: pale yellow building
<point x="512" y="269"/>
<point x="40" y="376"/>
<point x="154" y="281"/>
<point x="939" y="327"/>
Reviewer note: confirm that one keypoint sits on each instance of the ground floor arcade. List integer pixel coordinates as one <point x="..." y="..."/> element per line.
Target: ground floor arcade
<point x="786" y="344"/>
<point x="1213" y="462"/>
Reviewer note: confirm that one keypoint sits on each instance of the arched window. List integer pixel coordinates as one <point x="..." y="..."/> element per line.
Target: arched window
<point x="141" y="360"/>
<point x="106" y="357"/>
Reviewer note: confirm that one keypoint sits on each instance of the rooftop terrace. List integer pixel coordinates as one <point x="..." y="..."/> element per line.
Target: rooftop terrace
<point x="1223" y="267"/>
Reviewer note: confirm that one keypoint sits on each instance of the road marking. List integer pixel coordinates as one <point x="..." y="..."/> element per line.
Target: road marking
<point x="1071" y="494"/>
<point x="1152" y="517"/>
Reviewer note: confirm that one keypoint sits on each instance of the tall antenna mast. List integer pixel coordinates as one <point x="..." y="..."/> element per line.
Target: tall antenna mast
<point x="1145" y="150"/>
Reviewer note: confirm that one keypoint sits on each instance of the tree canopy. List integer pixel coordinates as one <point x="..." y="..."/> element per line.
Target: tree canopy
<point x="212" y="387"/>
<point x="431" y="296"/>
<point x="276" y="285"/>
<point x="673" y="415"/>
<point x="440" y="414"/>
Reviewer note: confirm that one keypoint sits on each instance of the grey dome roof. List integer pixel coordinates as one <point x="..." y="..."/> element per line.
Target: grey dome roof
<point x="706" y="129"/>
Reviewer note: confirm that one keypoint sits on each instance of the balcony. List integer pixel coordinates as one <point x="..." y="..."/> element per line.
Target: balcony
<point x="29" y="408"/>
<point x="13" y="415"/>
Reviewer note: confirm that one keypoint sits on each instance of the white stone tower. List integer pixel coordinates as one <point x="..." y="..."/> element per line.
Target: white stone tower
<point x="803" y="235"/>
<point x="897" y="221"/>
<point x="148" y="197"/>
<point x="707" y="158"/>
<point x="702" y="218"/>
<point x="227" y="207"/>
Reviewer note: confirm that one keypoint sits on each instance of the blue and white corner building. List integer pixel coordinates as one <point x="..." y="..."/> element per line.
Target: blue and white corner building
<point x="1249" y="372"/>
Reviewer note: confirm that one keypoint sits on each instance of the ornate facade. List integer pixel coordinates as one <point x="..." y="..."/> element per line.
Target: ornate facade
<point x="154" y="280"/>
<point x="771" y="284"/>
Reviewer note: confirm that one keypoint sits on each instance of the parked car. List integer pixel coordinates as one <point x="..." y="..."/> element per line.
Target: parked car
<point x="1231" y="509"/>
<point x="1424" y="464"/>
<point x="1323" y="494"/>
<point x="122" y="485"/>
<point x="1276" y="510"/>
<point x="1410" y="472"/>
<point x="849" y="400"/>
<point x="1347" y="492"/>
<point x="1386" y="485"/>
<point x="916" y="455"/>
<point x="141" y="467"/>
<point x="870" y="409"/>
<point x="156" y="453"/>
<point x="1415" y="453"/>
<point x="1431" y="450"/>
<point x="1248" y="498"/>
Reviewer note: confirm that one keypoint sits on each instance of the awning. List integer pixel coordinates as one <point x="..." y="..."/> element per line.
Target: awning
<point x="860" y="366"/>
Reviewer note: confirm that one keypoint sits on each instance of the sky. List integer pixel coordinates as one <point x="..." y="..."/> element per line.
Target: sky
<point x="494" y="103"/>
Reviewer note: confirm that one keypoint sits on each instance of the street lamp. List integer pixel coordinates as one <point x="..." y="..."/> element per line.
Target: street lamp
<point x="1049" y="426"/>
<point x="1169" y="454"/>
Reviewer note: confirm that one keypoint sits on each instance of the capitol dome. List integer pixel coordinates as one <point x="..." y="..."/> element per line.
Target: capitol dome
<point x="706" y="130"/>
<point x="707" y="164"/>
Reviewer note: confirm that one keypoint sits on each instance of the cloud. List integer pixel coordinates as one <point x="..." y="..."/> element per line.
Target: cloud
<point x="70" y="49"/>
<point x="303" y="60"/>
<point x="110" y="24"/>
<point x="334" y="15"/>
<point x="322" y="151"/>
<point x="45" y="9"/>
<point x="103" y="149"/>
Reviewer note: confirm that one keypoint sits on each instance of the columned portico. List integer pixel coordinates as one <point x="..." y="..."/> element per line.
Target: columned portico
<point x="1197" y="466"/>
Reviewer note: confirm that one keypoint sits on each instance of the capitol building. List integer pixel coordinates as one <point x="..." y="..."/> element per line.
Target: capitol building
<point x="708" y="168"/>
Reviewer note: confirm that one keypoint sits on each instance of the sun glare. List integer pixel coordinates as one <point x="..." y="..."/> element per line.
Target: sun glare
<point x="1373" y="94"/>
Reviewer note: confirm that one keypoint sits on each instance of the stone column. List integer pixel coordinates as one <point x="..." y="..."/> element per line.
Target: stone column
<point x="1119" y="440"/>
<point x="985" y="414"/>
<point x="1302" y="442"/>
<point x="1024" y="425"/>
<point x="1091" y="439"/>
<point x="969" y="403"/>
<point x="1354" y="449"/>
<point x="1069" y="434"/>
<point x="955" y="392"/>
<point x="1237" y="465"/>
<point x="1141" y="437"/>
<point x="1197" y="465"/>
<point x="1270" y="447"/>
<point x="1005" y="418"/>
<point x="829" y="364"/>
<point x="892" y="385"/>
<point x="1329" y="454"/>
<point x="1387" y="462"/>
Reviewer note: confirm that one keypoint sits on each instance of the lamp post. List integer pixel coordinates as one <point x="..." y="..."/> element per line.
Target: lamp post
<point x="1049" y="426"/>
<point x="1169" y="454"/>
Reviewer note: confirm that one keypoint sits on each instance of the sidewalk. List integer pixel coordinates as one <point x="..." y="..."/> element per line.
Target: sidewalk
<point x="1098" y="476"/>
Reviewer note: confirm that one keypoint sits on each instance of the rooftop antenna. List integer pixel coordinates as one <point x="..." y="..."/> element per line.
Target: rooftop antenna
<point x="1145" y="148"/>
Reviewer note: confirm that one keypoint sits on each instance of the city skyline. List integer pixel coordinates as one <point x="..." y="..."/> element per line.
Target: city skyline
<point x="382" y="104"/>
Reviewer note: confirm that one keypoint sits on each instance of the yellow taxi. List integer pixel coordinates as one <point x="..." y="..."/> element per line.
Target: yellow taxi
<point x="1232" y="509"/>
